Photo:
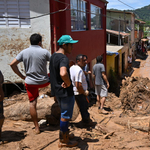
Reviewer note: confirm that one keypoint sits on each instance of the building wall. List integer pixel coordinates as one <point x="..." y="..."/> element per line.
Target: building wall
<point x="126" y="20"/>
<point x="110" y="63"/>
<point x="13" y="40"/>
<point x="91" y="42"/>
<point x="125" y="50"/>
<point x="113" y="18"/>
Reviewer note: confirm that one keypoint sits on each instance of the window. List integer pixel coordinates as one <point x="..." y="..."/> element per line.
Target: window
<point x="96" y="22"/>
<point x="14" y="8"/>
<point x="78" y="15"/>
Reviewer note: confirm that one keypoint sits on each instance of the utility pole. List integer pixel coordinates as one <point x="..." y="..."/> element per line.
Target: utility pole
<point x="119" y="32"/>
<point x="124" y="21"/>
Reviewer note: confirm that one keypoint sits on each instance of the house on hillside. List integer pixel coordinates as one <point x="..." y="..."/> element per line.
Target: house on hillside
<point x="120" y="36"/>
<point x="139" y="33"/>
<point x="84" y="20"/>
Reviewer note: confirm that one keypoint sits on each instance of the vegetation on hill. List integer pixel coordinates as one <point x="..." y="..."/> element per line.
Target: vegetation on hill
<point x="141" y="13"/>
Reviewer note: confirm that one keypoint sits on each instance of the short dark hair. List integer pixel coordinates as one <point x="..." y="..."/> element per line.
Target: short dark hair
<point x="78" y="57"/>
<point x="61" y="46"/>
<point x="85" y="56"/>
<point x="99" y="59"/>
<point x="35" y="39"/>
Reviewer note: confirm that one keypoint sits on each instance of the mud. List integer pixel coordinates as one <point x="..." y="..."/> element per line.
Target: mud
<point x="126" y="126"/>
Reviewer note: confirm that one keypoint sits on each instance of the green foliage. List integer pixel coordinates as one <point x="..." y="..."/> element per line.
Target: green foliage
<point x="141" y="14"/>
<point x="113" y="81"/>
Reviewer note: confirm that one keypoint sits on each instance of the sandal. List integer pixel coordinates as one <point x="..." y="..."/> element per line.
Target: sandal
<point x="3" y="142"/>
<point x="37" y="132"/>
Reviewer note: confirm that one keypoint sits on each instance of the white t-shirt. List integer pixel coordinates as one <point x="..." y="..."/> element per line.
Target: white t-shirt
<point x="77" y="75"/>
<point x="129" y="59"/>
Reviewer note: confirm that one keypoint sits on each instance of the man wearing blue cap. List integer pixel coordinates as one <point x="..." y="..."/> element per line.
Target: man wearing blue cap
<point x="62" y="88"/>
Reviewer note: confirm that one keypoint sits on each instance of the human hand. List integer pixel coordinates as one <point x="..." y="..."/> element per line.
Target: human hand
<point x="108" y="85"/>
<point x="23" y="77"/>
<point x="89" y="72"/>
<point x="65" y="85"/>
<point x="86" y="93"/>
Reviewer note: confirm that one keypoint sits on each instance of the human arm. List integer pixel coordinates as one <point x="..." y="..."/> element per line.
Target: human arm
<point x="87" y="72"/>
<point x="1" y="89"/>
<point x="14" y="67"/>
<point x="94" y="79"/>
<point x="1" y="93"/>
<point x="65" y="77"/>
<point x="79" y="79"/>
<point x="80" y="89"/>
<point x="105" y="78"/>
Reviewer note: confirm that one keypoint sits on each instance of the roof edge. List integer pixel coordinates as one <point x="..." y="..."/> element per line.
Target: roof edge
<point x="104" y="1"/>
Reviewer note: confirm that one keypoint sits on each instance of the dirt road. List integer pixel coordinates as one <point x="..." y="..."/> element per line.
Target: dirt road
<point x="144" y="67"/>
<point x="112" y="132"/>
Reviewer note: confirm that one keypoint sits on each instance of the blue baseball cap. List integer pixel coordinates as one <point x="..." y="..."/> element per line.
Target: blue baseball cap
<point x="64" y="39"/>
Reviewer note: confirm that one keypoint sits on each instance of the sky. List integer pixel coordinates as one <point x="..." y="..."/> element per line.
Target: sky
<point x="135" y="4"/>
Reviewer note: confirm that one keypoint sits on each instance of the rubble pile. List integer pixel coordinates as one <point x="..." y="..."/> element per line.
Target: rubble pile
<point x="135" y="95"/>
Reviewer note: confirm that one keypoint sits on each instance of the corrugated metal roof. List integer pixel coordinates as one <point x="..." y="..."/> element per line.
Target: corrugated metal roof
<point x="113" y="48"/>
<point x="139" y="21"/>
<point x="117" y="32"/>
<point x="116" y="11"/>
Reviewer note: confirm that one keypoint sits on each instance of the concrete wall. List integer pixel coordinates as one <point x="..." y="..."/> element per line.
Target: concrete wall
<point x="14" y="40"/>
<point x="125" y="50"/>
<point x="112" y="21"/>
<point x="110" y="63"/>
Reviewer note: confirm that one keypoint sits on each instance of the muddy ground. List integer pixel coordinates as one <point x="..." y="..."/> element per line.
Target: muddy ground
<point x="126" y="127"/>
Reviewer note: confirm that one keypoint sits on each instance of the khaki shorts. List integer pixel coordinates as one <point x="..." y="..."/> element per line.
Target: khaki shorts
<point x="101" y="90"/>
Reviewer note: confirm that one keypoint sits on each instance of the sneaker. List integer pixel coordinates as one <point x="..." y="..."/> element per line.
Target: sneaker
<point x="83" y="124"/>
<point x="71" y="136"/>
<point x="102" y="111"/>
<point x="90" y="124"/>
<point x="64" y="140"/>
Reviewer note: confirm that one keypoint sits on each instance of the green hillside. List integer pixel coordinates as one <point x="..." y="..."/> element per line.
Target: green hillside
<point x="143" y="13"/>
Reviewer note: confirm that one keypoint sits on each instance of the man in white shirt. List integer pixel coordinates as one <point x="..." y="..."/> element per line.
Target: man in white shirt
<point x="80" y="89"/>
<point x="130" y="61"/>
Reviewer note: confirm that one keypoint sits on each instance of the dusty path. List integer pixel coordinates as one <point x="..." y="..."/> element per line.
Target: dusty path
<point x="144" y="70"/>
<point x="113" y="131"/>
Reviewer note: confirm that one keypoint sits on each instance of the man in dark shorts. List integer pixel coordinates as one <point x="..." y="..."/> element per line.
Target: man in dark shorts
<point x="62" y="88"/>
<point x="1" y="106"/>
<point x="35" y="60"/>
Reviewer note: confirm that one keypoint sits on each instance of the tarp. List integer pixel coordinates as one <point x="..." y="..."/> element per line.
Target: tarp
<point x="113" y="49"/>
<point x="111" y="53"/>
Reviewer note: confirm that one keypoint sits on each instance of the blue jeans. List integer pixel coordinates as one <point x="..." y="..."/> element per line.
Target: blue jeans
<point x="66" y="105"/>
<point x="83" y="106"/>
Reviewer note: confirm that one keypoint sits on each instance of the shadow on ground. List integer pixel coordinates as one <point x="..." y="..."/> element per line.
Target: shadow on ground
<point x="12" y="136"/>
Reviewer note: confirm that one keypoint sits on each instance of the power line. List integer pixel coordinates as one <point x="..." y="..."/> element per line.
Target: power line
<point x="61" y="10"/>
<point x="126" y="4"/>
<point x="87" y="11"/>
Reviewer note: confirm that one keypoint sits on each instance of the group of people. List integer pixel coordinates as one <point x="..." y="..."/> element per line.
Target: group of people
<point x="68" y="82"/>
